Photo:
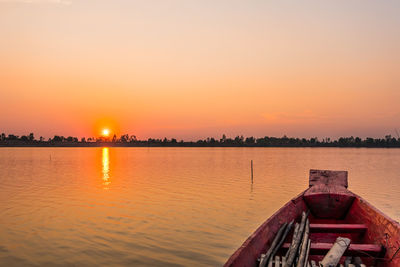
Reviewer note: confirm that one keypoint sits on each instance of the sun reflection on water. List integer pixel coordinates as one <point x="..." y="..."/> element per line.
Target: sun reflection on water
<point x="106" y="167"/>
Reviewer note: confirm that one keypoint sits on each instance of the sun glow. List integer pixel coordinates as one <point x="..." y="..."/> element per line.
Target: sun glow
<point x="106" y="132"/>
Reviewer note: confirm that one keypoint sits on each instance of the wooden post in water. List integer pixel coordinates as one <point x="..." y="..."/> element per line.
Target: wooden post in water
<point x="251" y="171"/>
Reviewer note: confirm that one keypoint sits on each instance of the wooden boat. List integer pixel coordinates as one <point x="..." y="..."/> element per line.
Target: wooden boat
<point x="334" y="211"/>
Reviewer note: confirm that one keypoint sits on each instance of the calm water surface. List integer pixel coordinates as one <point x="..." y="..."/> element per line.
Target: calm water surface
<point x="162" y="206"/>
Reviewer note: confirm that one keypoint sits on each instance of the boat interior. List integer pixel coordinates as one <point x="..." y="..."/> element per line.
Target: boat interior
<point x="333" y="211"/>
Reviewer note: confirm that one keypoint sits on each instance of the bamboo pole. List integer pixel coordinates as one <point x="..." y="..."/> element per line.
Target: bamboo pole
<point x="296" y="230"/>
<point x="283" y="260"/>
<point x="287" y="230"/>
<point x="304" y="245"/>
<point x="270" y="264"/>
<point x="277" y="261"/>
<point x="278" y="246"/>
<point x="264" y="261"/>
<point x="296" y="243"/>
<point x="306" y="263"/>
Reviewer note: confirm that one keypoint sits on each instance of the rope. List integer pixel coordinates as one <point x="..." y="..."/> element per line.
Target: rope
<point x="394" y="255"/>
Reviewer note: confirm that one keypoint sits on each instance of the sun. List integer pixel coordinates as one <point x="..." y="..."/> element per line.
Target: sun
<point x="105" y="132"/>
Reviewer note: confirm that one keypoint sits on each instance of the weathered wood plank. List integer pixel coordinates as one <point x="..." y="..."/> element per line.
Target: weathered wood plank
<point x="328" y="177"/>
<point x="334" y="254"/>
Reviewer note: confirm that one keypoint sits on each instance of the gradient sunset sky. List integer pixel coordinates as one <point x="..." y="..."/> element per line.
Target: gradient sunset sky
<point x="192" y="69"/>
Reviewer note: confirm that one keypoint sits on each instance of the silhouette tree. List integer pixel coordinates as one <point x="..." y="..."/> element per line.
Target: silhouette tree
<point x="124" y="138"/>
<point x="132" y="138"/>
<point x="57" y="138"/>
<point x="12" y="137"/>
<point x="250" y="140"/>
<point x="223" y="139"/>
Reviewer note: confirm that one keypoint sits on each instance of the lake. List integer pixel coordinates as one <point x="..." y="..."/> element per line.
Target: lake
<point x="163" y="206"/>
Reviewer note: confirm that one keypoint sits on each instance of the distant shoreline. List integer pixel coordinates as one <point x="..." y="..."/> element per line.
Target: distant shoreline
<point x="239" y="141"/>
<point x="185" y="144"/>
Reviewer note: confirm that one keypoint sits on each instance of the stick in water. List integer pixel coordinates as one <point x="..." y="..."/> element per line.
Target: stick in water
<point x="251" y="171"/>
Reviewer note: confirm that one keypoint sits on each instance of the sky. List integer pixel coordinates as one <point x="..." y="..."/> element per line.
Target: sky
<point x="193" y="69"/>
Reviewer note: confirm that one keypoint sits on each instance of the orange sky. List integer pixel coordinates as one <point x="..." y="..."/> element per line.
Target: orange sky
<point x="192" y="69"/>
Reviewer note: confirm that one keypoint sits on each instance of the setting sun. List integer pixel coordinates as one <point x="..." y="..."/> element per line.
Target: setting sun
<point x="106" y="132"/>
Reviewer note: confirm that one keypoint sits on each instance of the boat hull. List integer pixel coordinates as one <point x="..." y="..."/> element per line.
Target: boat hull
<point x="334" y="211"/>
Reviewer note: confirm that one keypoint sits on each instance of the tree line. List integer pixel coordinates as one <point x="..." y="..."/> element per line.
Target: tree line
<point x="238" y="141"/>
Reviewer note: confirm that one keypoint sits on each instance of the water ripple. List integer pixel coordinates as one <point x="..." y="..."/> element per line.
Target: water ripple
<point x="162" y="206"/>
